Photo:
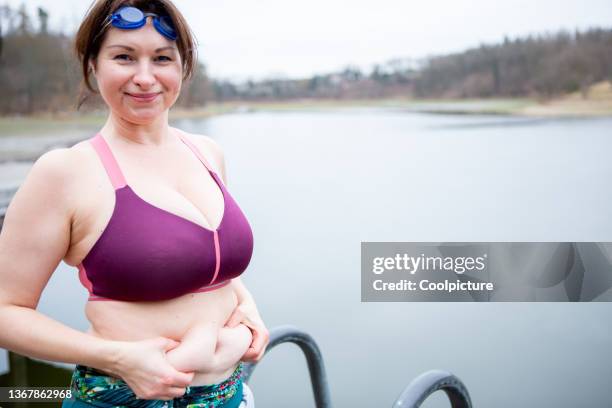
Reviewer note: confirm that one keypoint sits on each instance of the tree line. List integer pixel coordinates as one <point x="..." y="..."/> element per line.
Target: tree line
<point x="40" y="73"/>
<point x="543" y="65"/>
<point x="539" y="66"/>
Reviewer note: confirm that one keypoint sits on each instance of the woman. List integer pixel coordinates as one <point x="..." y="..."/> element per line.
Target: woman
<point x="141" y="209"/>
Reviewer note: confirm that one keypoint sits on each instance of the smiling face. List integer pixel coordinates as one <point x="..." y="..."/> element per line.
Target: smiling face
<point x="138" y="72"/>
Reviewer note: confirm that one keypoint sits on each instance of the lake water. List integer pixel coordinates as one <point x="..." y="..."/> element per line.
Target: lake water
<point x="314" y="185"/>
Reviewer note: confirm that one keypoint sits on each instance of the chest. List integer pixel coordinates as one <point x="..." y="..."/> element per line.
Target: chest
<point x="175" y="184"/>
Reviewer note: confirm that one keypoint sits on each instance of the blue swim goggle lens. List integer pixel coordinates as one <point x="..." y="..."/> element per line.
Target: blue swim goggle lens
<point x="131" y="18"/>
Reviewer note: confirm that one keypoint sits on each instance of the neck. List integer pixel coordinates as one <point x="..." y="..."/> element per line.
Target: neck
<point x="155" y="133"/>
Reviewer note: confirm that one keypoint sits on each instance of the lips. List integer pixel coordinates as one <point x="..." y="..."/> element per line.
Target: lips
<point x="143" y="97"/>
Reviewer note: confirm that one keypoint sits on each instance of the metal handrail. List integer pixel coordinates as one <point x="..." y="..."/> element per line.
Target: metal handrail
<point x="314" y="358"/>
<point x="412" y="397"/>
<point x="429" y="382"/>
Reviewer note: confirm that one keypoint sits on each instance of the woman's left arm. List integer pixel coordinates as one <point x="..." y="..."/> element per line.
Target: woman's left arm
<point x="246" y="313"/>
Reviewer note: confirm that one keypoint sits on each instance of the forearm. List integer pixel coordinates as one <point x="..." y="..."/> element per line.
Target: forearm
<point x="30" y="333"/>
<point x="246" y="302"/>
<point x="241" y="291"/>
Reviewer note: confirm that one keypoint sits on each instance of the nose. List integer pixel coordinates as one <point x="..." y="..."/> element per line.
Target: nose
<point x="144" y="76"/>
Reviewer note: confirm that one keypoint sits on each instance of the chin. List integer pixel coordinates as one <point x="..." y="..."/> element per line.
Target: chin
<point x="143" y="116"/>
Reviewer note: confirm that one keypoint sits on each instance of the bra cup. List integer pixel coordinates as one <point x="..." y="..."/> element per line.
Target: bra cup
<point x="153" y="255"/>
<point x="236" y="242"/>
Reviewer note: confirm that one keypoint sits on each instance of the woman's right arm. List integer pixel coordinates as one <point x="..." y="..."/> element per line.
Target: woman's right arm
<point x="34" y="239"/>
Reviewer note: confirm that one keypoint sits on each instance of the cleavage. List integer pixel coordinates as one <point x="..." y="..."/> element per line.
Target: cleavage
<point x="174" y="201"/>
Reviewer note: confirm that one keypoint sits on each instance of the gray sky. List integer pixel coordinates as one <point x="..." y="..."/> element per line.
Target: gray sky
<point x="247" y="38"/>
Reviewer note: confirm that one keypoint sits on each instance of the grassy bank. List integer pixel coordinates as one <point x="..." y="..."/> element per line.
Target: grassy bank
<point x="47" y="124"/>
<point x="471" y="106"/>
<point x="598" y="102"/>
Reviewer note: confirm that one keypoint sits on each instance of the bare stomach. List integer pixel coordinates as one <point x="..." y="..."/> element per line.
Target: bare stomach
<point x="196" y="320"/>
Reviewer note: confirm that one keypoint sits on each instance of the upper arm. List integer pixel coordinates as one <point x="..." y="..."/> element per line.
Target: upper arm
<point x="35" y="235"/>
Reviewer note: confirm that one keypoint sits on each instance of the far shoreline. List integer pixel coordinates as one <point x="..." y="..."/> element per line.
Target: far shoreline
<point x="597" y="104"/>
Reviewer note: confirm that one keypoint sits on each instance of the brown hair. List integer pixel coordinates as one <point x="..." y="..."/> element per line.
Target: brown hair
<point x="93" y="29"/>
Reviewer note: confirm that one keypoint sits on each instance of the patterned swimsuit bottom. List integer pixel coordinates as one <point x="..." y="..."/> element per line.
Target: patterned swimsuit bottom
<point x="98" y="389"/>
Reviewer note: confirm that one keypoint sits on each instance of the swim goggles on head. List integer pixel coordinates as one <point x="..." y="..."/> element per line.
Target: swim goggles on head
<point x="131" y="18"/>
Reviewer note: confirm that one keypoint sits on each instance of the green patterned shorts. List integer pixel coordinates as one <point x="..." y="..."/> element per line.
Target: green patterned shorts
<point x="95" y="388"/>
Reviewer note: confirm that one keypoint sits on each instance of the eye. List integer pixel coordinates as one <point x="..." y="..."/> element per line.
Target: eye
<point x="164" y="58"/>
<point x="123" y="57"/>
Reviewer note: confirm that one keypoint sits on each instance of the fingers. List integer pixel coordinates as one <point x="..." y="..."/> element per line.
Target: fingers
<point x="169" y="387"/>
<point x="236" y="317"/>
<point x="167" y="393"/>
<point x="180" y="379"/>
<point x="261" y="337"/>
<point x="253" y="355"/>
<point x="260" y="355"/>
<point x="170" y="344"/>
<point x="177" y="392"/>
<point x="151" y="376"/>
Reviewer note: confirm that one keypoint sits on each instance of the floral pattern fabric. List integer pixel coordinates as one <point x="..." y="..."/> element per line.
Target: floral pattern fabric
<point x="101" y="390"/>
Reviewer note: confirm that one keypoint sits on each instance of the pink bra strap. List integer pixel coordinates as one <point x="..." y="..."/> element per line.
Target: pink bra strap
<point x="196" y="151"/>
<point x="108" y="160"/>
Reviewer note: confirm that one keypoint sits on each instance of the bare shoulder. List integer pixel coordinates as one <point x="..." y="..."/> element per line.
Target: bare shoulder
<point x="60" y="172"/>
<point x="83" y="156"/>
<point x="52" y="176"/>
<point x="211" y="150"/>
<point x="52" y="170"/>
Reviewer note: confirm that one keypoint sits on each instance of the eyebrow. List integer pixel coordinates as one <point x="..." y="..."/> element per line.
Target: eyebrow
<point x="169" y="47"/>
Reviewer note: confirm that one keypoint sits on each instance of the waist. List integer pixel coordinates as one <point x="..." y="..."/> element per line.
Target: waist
<point x="133" y="321"/>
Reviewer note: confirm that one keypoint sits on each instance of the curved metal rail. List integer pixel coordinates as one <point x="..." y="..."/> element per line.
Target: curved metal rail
<point x="412" y="397"/>
<point x="429" y="382"/>
<point x="314" y="358"/>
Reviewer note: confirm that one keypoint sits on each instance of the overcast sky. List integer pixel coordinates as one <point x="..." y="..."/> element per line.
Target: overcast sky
<point x="259" y="38"/>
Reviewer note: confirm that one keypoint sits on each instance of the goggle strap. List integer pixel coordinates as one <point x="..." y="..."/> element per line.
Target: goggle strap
<point x="160" y="27"/>
<point x="118" y="21"/>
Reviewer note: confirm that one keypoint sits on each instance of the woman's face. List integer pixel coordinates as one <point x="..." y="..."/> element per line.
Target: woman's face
<point x="138" y="72"/>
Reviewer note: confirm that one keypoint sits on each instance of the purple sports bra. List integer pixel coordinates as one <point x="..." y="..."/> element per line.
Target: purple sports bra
<point x="146" y="253"/>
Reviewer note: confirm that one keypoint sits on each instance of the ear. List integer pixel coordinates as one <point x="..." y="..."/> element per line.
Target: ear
<point x="92" y="66"/>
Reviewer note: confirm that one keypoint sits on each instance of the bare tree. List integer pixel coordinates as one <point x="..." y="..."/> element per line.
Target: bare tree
<point x="43" y="16"/>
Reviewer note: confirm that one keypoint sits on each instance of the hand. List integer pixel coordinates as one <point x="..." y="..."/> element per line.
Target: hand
<point x="247" y="314"/>
<point x="143" y="366"/>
